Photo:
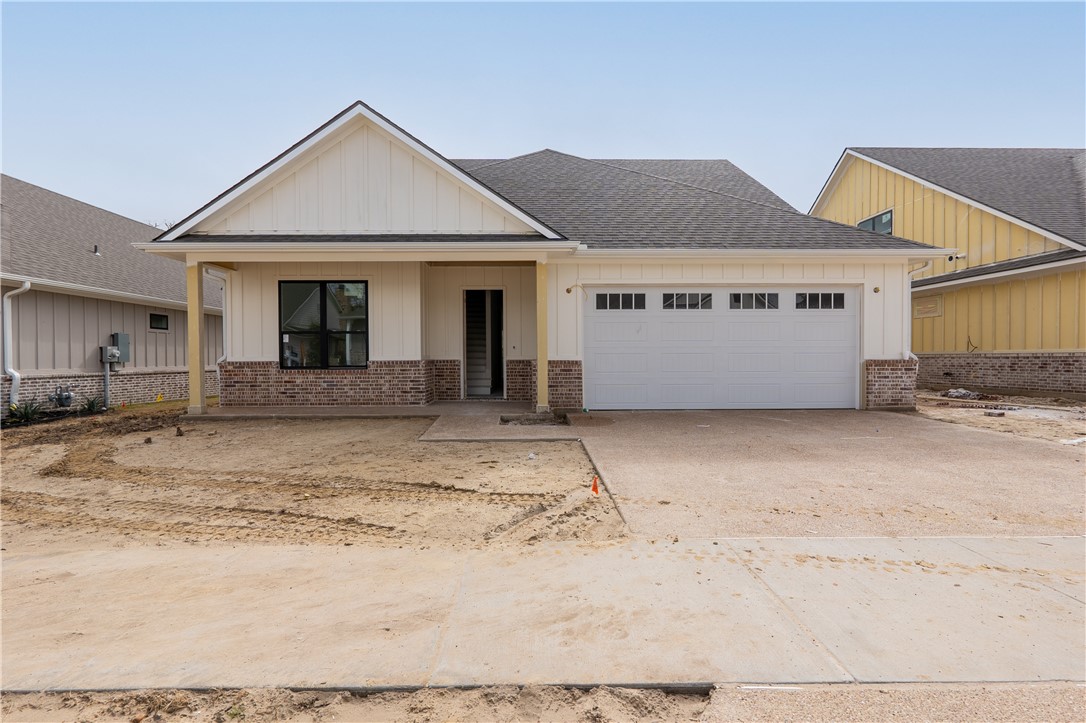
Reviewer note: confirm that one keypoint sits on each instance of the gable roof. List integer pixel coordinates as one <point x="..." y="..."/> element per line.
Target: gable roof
<point x="48" y="237"/>
<point x="622" y="205"/>
<point x="358" y="109"/>
<point x="1044" y="187"/>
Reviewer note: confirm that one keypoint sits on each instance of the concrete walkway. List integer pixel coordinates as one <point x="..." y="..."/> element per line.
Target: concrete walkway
<point x="708" y="611"/>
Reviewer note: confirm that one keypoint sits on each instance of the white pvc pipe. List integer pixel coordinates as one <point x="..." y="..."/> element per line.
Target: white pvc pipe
<point x="9" y="359"/>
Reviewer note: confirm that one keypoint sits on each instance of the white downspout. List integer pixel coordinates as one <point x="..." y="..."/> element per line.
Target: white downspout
<point x="9" y="360"/>
<point x="908" y="325"/>
<point x="225" y="315"/>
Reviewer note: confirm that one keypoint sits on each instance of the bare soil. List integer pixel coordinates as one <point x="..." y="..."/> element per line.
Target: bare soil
<point x="148" y="477"/>
<point x="1054" y="419"/>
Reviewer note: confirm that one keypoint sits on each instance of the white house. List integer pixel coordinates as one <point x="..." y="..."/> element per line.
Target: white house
<point x="364" y="268"/>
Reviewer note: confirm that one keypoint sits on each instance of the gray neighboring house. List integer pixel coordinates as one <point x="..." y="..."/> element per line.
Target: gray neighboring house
<point x="86" y="281"/>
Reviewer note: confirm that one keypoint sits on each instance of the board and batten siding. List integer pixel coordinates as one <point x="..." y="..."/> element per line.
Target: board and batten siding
<point x="929" y="216"/>
<point x="443" y="320"/>
<point x="362" y="180"/>
<point x="1040" y="313"/>
<point x="62" y="332"/>
<point x="395" y="312"/>
<point x="882" y="329"/>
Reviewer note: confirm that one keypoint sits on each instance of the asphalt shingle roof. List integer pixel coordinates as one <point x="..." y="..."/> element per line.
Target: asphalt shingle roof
<point x="1024" y="262"/>
<point x="48" y="236"/>
<point x="623" y="204"/>
<point x="1045" y="187"/>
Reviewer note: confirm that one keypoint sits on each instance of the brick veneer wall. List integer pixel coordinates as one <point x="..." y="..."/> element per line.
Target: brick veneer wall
<point x="263" y="384"/>
<point x="1048" y="372"/>
<point x="132" y="386"/>
<point x="889" y="384"/>
<point x="565" y="382"/>
<point x="443" y="380"/>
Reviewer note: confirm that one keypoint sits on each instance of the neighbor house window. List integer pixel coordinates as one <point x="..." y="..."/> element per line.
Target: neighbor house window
<point x="323" y="324"/>
<point x="821" y="300"/>
<point x="753" y="301"/>
<point x="879" y="223"/>
<point x="620" y="301"/>
<point x="688" y="301"/>
<point x="159" y="322"/>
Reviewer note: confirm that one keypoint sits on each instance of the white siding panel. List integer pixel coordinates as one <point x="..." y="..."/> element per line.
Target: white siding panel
<point x="400" y="200"/>
<point x="331" y="189"/>
<point x="308" y="180"/>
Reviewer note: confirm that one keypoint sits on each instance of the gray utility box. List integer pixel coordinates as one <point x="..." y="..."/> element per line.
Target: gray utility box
<point x="124" y="346"/>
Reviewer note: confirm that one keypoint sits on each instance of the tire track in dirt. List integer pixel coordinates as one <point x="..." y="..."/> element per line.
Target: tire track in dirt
<point x="212" y="522"/>
<point x="95" y="461"/>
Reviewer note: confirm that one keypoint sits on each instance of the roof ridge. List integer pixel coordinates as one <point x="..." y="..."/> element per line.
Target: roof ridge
<point x="697" y="187"/>
<point x="498" y="161"/>
<point x="66" y="197"/>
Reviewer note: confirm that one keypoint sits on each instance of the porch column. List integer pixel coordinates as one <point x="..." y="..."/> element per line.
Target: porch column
<point x="542" y="401"/>
<point x="194" y="278"/>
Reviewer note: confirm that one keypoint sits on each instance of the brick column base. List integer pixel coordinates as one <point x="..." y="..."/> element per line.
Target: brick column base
<point x="565" y="382"/>
<point x="889" y="384"/>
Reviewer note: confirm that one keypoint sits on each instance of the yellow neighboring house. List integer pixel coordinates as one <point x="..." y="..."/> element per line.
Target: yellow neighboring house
<point x="1005" y="309"/>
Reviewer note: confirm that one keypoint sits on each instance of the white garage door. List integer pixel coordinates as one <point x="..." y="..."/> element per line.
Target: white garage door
<point x="721" y="348"/>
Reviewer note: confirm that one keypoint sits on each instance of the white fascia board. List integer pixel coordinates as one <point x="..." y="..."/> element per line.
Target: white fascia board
<point x="972" y="202"/>
<point x="353" y="112"/>
<point x="686" y="255"/>
<point x="831" y="183"/>
<point x="195" y="249"/>
<point x="63" y="287"/>
<point x="988" y="278"/>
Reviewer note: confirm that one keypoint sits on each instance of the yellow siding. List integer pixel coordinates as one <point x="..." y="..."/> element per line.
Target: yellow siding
<point x="928" y="216"/>
<point x="1040" y="313"/>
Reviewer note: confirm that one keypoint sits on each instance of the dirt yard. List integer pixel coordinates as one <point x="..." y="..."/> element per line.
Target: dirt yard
<point x="1057" y="420"/>
<point x="147" y="477"/>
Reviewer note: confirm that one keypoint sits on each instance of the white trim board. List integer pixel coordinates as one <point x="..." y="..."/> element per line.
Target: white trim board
<point x="63" y="287"/>
<point x="1027" y="272"/>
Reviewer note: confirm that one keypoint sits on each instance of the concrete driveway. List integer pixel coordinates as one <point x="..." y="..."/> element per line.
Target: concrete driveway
<point x="724" y="474"/>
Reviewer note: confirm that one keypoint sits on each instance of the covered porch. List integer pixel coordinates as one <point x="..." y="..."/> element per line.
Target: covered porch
<point x="423" y="329"/>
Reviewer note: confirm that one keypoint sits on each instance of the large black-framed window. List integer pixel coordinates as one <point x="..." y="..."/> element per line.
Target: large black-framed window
<point x="323" y="324"/>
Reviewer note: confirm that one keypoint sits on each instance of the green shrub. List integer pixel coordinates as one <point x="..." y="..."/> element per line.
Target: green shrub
<point x="91" y="405"/>
<point x="25" y="413"/>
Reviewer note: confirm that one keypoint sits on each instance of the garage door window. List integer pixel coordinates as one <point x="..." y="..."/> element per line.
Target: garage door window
<point x="688" y="301"/>
<point x="753" y="301"/>
<point x="822" y="301"/>
<point x="620" y="301"/>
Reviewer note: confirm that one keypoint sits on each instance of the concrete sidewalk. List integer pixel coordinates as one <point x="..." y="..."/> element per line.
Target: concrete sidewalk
<point x="750" y="610"/>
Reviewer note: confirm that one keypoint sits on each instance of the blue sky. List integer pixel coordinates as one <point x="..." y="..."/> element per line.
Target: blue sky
<point x="150" y="110"/>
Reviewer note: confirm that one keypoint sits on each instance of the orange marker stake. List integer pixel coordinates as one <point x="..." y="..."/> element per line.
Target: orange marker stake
<point x="596" y="485"/>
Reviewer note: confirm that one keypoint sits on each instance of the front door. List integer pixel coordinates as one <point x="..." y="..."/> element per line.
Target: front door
<point x="484" y="348"/>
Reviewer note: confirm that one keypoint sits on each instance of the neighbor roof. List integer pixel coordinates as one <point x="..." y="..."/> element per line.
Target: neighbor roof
<point x="620" y="204"/>
<point x="52" y="237"/>
<point x="1045" y="187"/>
<point x="1019" y="264"/>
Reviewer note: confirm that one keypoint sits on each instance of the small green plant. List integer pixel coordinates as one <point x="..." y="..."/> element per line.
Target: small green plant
<point x="25" y="413"/>
<point x="91" y="405"/>
<point x="236" y="712"/>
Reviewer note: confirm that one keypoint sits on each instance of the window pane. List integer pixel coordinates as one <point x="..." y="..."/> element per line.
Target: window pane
<point x="884" y="223"/>
<point x="759" y="301"/>
<point x="706" y="301"/>
<point x="669" y="301"/>
<point x="627" y="301"/>
<point x="347" y="350"/>
<point x="160" y="322"/>
<point x="801" y="301"/>
<point x="300" y="350"/>
<point x="601" y="301"/>
<point x="614" y="301"/>
<point x="299" y="306"/>
<point x="771" y="301"/>
<point x="735" y="301"/>
<point x="345" y="306"/>
<point x="868" y="225"/>
<point x="639" y="301"/>
<point x="839" y="301"/>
